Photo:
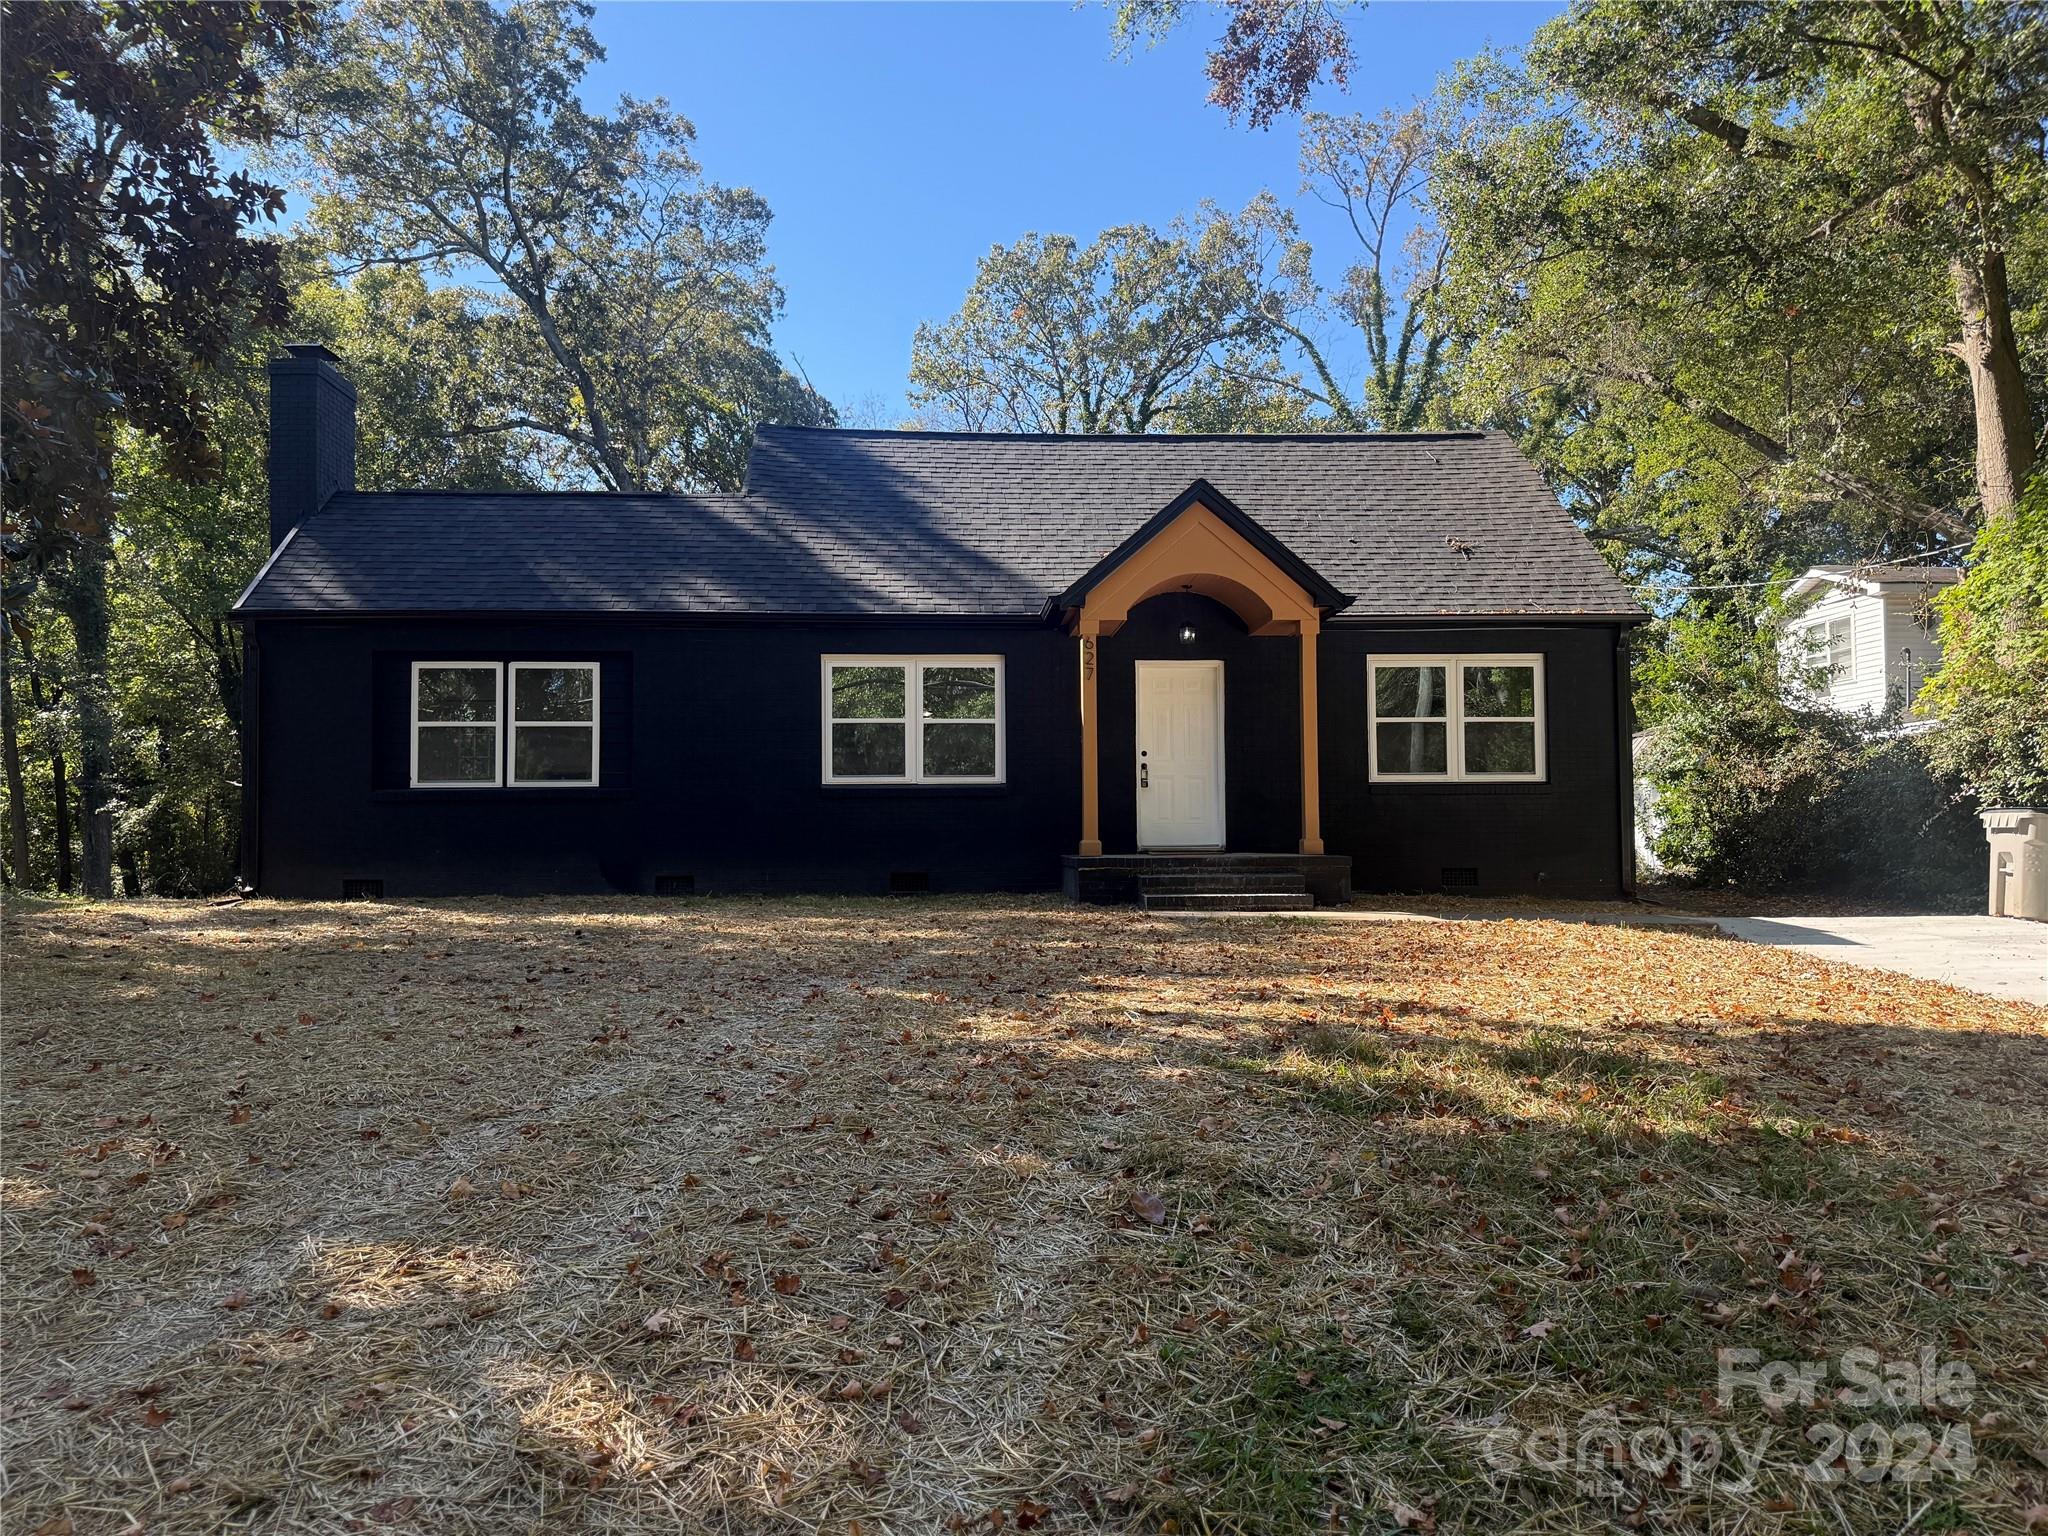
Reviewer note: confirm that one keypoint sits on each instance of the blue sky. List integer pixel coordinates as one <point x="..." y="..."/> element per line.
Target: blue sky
<point x="897" y="142"/>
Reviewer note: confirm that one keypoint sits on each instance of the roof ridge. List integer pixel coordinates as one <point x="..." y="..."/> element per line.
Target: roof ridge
<point x="545" y="491"/>
<point x="1447" y="435"/>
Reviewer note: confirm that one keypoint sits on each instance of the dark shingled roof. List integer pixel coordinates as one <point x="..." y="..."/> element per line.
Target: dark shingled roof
<point x="934" y="523"/>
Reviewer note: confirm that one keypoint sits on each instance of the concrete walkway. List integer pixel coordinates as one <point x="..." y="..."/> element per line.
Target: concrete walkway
<point x="2004" y="957"/>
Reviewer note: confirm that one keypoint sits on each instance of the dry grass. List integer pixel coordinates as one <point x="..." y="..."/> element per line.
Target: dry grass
<point x="838" y="1216"/>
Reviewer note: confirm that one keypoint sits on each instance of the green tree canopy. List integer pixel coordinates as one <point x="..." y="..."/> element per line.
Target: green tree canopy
<point x="1131" y="332"/>
<point x="129" y="266"/>
<point x="430" y="402"/>
<point x="629" y="337"/>
<point x="1746" y="273"/>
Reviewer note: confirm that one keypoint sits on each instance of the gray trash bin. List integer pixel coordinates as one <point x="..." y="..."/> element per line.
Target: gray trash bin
<point x="2019" y="863"/>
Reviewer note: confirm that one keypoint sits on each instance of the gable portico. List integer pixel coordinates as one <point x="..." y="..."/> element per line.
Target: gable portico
<point x="1200" y="544"/>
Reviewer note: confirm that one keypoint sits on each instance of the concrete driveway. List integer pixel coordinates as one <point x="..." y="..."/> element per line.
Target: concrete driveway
<point x="2004" y="956"/>
<point x="2001" y="956"/>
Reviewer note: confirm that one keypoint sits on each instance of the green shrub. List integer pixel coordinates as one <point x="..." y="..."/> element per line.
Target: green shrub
<point x="1756" y="788"/>
<point x="1991" y="693"/>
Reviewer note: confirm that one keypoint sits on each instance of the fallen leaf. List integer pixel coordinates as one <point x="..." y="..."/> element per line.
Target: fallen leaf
<point x="1149" y="1208"/>
<point x="461" y="1189"/>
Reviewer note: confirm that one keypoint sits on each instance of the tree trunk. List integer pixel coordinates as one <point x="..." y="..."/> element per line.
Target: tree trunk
<point x="60" y="785"/>
<point x="84" y="597"/>
<point x="227" y="675"/>
<point x="10" y="752"/>
<point x="60" y="788"/>
<point x="2005" y="432"/>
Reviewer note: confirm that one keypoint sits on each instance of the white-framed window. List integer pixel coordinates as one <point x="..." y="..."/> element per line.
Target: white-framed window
<point x="912" y="719"/>
<point x="1448" y="718"/>
<point x="487" y="724"/>
<point x="457" y="707"/>
<point x="554" y="722"/>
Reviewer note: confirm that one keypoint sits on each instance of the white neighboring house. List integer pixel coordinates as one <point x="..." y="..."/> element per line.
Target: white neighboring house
<point x="1870" y="626"/>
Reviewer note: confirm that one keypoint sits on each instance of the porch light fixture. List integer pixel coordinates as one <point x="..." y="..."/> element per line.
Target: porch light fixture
<point x="1187" y="634"/>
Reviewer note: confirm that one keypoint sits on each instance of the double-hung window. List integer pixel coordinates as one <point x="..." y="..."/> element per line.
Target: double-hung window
<point x="482" y="724"/>
<point x="456" y="708"/>
<point x="554" y="722"/>
<point x="1453" y="718"/>
<point x="913" y="719"/>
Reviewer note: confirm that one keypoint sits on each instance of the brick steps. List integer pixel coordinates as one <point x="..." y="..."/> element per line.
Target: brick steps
<point x="1231" y="889"/>
<point x="1229" y="901"/>
<point x="1209" y="882"/>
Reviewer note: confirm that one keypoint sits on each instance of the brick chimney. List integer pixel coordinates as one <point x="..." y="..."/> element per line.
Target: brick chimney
<point x="312" y="435"/>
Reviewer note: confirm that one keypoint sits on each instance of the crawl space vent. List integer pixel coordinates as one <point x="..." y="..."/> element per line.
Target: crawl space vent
<point x="675" y="885"/>
<point x="1464" y="875"/>
<point x="362" y="890"/>
<point x="909" y="882"/>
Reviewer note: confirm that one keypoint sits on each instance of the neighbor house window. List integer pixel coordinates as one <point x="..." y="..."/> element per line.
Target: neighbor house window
<point x="1837" y="639"/>
<point x="554" y="722"/>
<point x="456" y="707"/>
<point x="1456" y="717"/>
<point x="483" y="724"/>
<point x="913" y="720"/>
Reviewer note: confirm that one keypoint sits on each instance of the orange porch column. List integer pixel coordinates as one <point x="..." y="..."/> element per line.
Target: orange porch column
<point x="1091" y="757"/>
<point x="1311" y="745"/>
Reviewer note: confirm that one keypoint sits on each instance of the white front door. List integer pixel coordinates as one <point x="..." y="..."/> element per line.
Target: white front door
<point x="1180" y="754"/>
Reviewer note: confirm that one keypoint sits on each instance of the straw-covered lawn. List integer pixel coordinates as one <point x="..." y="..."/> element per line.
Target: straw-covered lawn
<point x="868" y="1216"/>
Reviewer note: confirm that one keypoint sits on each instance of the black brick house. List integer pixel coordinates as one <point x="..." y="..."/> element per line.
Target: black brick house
<point x="946" y="661"/>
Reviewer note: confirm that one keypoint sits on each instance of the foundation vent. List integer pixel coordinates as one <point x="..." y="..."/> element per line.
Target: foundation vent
<point x="909" y="882"/>
<point x="1461" y="876"/>
<point x="675" y="885"/>
<point x="362" y="890"/>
